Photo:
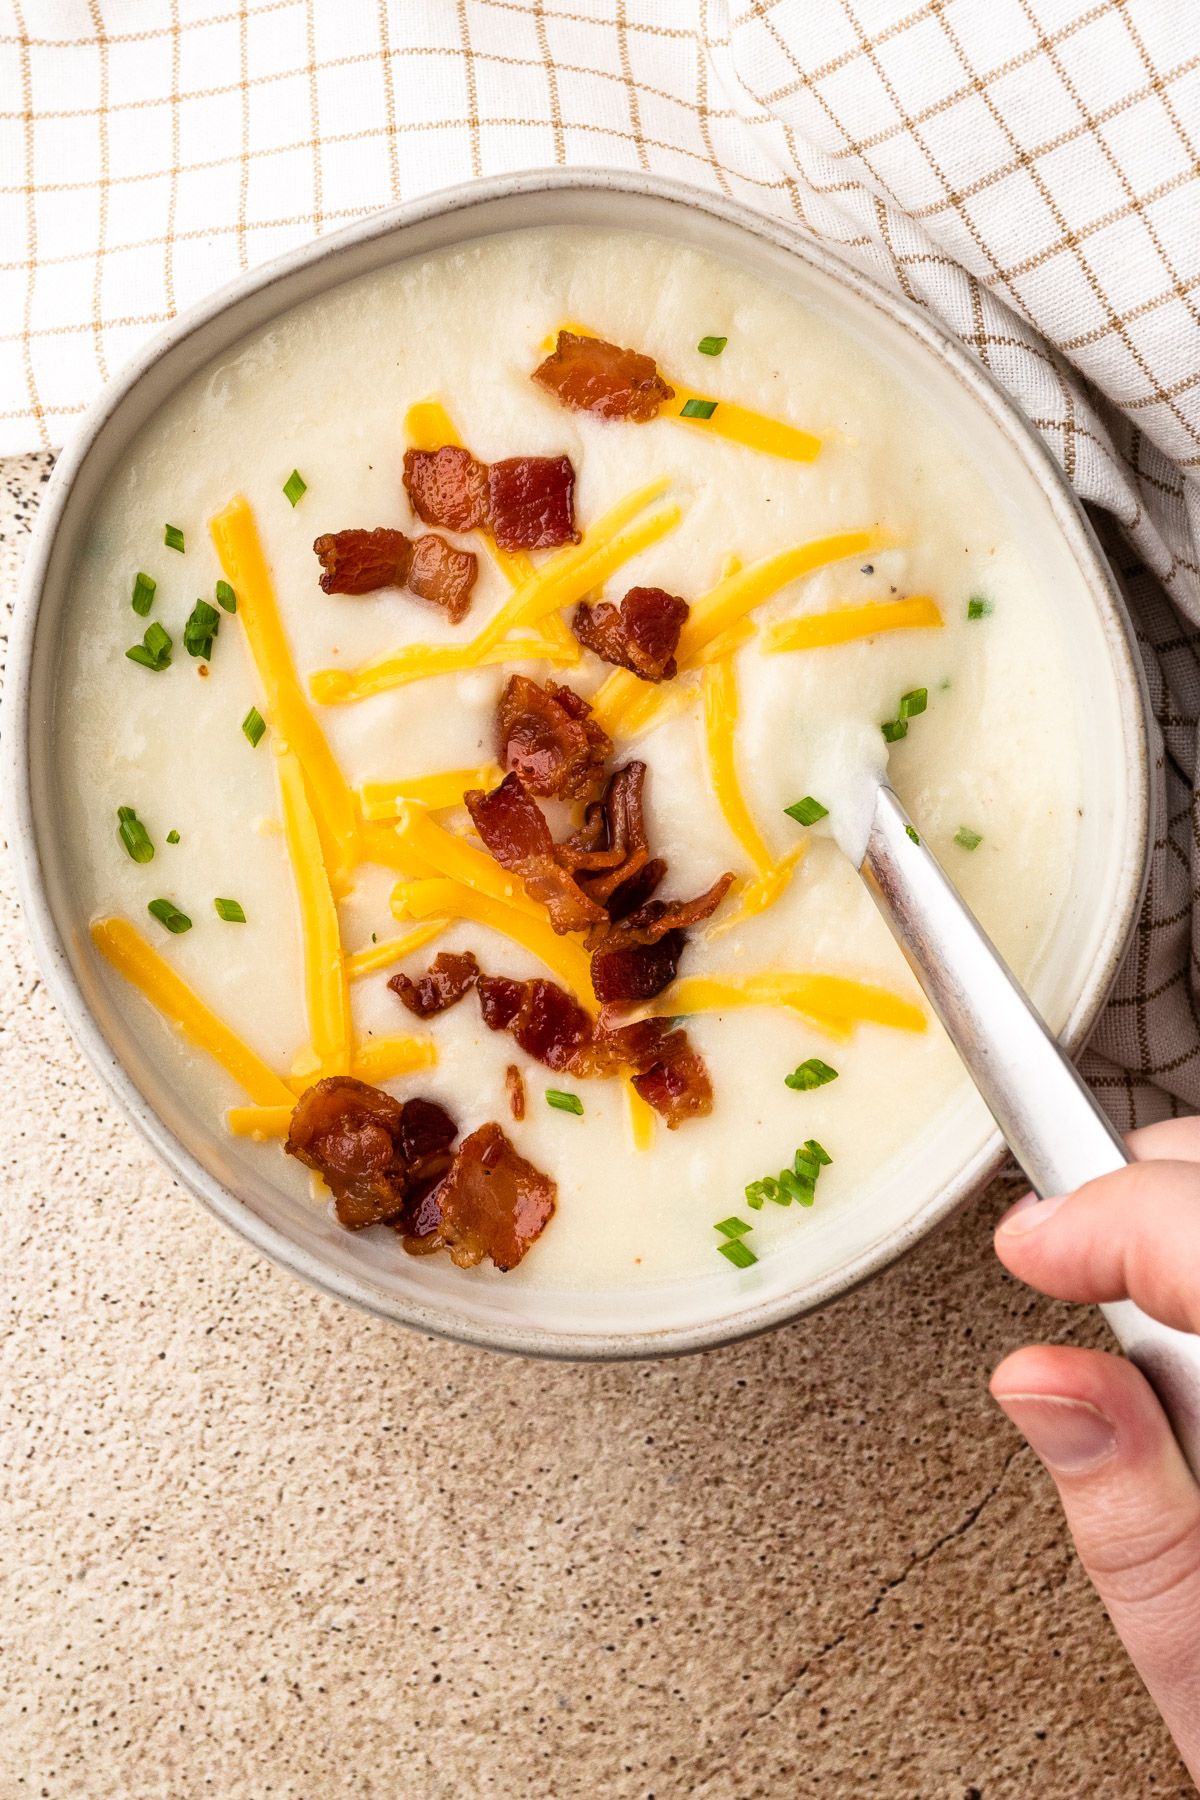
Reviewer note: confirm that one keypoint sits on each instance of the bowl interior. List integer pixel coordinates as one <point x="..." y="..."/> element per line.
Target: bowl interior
<point x="838" y="1249"/>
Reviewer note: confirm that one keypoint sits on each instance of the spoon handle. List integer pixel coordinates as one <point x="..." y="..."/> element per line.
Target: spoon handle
<point x="1053" y="1126"/>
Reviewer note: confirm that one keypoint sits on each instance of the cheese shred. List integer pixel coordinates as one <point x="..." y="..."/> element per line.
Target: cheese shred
<point x="818" y="630"/>
<point x="324" y="968"/>
<point x="833" y="1002"/>
<point x="454" y="900"/>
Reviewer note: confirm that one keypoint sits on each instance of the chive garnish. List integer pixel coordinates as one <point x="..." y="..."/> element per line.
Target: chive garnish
<point x="143" y="594"/>
<point x="134" y="835"/>
<point x="172" y="837"/>
<point x="732" y="1228"/>
<point x="979" y="607"/>
<point x="912" y="703"/>
<point x="170" y="916"/>
<point x="894" y="730"/>
<point x="738" y="1253"/>
<point x="226" y="597"/>
<point x="564" y="1102"/>
<point x="697" y="409"/>
<point x="230" y="911"/>
<point x="811" y="1074"/>
<point x="294" y="486"/>
<point x="966" y="839"/>
<point x="758" y="1191"/>
<point x="910" y="832"/>
<point x="814" y="1150"/>
<point x="254" y="725"/>
<point x="807" y="811"/>
<point x="173" y="538"/>
<point x="202" y="627"/>
<point x="711" y="346"/>
<point x="154" y="651"/>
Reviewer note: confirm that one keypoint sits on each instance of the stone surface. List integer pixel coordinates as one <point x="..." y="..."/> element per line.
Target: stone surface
<point x="253" y="1543"/>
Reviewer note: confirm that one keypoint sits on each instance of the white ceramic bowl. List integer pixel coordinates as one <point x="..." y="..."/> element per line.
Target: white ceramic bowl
<point x="847" y="1245"/>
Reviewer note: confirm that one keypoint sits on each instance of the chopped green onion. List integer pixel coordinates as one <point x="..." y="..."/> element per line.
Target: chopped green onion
<point x="755" y="1196"/>
<point x="201" y="628"/>
<point x="732" y="1227"/>
<point x="143" y="594"/>
<point x="170" y="916"/>
<point x="967" y="839"/>
<point x="134" y="835"/>
<point x="564" y="1102"/>
<point x="979" y="607"/>
<point x="697" y="409"/>
<point x="792" y="1188"/>
<point x="816" y="1152"/>
<point x="254" y="725"/>
<point x="154" y="651"/>
<point x="739" y="1255"/>
<point x="910" y="833"/>
<point x="894" y="730"/>
<point x="172" y="837"/>
<point x="807" y="1167"/>
<point x="913" y="702"/>
<point x="811" y="1074"/>
<point x="226" y="597"/>
<point x="711" y="346"/>
<point x="230" y="911"/>
<point x="374" y="939"/>
<point x="173" y="538"/>
<point x="807" y="811"/>
<point x="294" y="486"/>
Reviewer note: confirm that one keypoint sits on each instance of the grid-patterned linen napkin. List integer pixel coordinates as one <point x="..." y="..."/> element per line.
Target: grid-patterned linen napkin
<point x="1029" y="170"/>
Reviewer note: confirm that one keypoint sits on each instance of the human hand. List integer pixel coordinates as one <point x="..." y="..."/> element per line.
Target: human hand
<point x="1131" y="1502"/>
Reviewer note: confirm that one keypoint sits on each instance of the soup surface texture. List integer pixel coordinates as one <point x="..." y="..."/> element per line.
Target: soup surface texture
<point x="987" y="765"/>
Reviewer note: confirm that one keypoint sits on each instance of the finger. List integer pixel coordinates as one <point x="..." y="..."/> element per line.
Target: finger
<point x="1171" y="1140"/>
<point x="1132" y="1505"/>
<point x="1134" y="1234"/>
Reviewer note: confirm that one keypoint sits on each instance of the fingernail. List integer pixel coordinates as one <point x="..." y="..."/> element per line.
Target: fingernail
<point x="1069" y="1435"/>
<point x="1029" y="1213"/>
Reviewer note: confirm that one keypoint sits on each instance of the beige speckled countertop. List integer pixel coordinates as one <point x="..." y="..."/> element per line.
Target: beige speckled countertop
<point x="253" y="1543"/>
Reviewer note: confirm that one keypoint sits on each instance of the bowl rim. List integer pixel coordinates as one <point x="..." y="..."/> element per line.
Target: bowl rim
<point x="439" y="1318"/>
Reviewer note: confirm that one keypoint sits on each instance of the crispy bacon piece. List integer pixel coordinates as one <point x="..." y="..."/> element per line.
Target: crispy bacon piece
<point x="546" y="1022"/>
<point x="526" y="502"/>
<point x="491" y="1203"/>
<point x="678" y="1089"/>
<point x="443" y="574"/>
<point x="656" y="918"/>
<point x="546" y="737"/>
<point x="642" y="635"/>
<point x="374" y="1153"/>
<point x="636" y="971"/>
<point x="359" y="562"/>
<point x="637" y="889"/>
<point x="612" y="847"/>
<point x="448" y="487"/>
<point x="532" y="502"/>
<point x="443" y="985"/>
<point x="590" y="375"/>
<point x="515" y="1089"/>
<point x="515" y="831"/>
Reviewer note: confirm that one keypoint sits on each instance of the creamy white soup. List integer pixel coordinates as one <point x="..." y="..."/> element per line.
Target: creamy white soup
<point x="903" y="628"/>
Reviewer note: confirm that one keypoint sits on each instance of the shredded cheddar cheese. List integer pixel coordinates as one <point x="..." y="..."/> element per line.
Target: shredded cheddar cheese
<point x="240" y="550"/>
<point x="564" y="578"/>
<point x="834" y="1002"/>
<point x="723" y="608"/>
<point x="454" y="857"/>
<point x="260" y="1122"/>
<point x="720" y="725"/>
<point x="735" y="423"/>
<point x="324" y="969"/>
<point x="124" y="947"/>
<point x="383" y="1058"/>
<point x="817" y="630"/>
<point x="383" y="799"/>
<point x="454" y="900"/>
<point x="642" y="1117"/>
<point x="382" y="956"/>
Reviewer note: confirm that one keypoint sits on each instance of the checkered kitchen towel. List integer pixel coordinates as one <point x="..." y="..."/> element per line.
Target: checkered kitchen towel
<point x="1029" y="170"/>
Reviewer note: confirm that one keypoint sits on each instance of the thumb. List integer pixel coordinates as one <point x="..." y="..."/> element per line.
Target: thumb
<point x="1132" y="1505"/>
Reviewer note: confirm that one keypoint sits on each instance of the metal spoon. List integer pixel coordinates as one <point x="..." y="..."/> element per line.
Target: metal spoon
<point x="1053" y="1127"/>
